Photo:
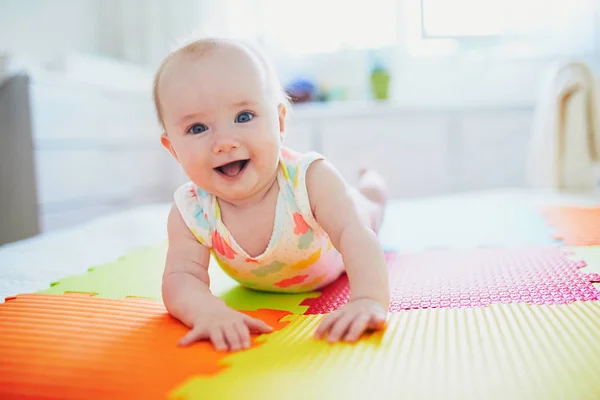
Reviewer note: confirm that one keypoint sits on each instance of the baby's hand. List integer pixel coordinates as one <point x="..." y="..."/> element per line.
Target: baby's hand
<point x="226" y="328"/>
<point x="352" y="320"/>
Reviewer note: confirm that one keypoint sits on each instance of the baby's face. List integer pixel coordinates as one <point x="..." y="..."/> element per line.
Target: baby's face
<point x="223" y="122"/>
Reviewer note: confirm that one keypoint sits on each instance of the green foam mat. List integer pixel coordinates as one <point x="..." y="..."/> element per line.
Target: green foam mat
<point x="139" y="274"/>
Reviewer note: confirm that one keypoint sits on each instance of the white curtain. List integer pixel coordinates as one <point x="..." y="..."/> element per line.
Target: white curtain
<point x="143" y="31"/>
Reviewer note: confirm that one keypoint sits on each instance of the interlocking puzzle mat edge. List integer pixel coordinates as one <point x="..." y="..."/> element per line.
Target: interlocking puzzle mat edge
<point x="475" y="278"/>
<point x="81" y="346"/>
<point x="504" y="350"/>
<point x="574" y="226"/>
<point x="139" y="273"/>
<point x="516" y="351"/>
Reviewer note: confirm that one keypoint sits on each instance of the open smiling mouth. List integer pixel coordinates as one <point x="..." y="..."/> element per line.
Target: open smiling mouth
<point x="232" y="169"/>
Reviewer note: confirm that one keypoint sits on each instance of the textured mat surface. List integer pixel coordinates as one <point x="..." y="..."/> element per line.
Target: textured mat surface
<point x="139" y="275"/>
<point x="73" y="346"/>
<point x="83" y="347"/>
<point x="474" y="278"/>
<point x="505" y="351"/>
<point x="588" y="254"/>
<point x="516" y="323"/>
<point x="575" y="226"/>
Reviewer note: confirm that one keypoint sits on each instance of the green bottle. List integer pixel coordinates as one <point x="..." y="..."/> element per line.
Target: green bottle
<point x="380" y="81"/>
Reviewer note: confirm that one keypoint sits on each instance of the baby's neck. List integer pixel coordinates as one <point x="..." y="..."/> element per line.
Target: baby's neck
<point x="255" y="198"/>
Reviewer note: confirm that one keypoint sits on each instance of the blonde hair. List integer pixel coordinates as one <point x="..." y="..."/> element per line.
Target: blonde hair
<point x="200" y="47"/>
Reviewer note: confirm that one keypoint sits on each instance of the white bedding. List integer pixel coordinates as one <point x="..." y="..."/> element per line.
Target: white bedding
<point x="456" y="221"/>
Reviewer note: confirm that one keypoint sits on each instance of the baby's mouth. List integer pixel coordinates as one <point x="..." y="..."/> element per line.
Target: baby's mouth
<point x="233" y="168"/>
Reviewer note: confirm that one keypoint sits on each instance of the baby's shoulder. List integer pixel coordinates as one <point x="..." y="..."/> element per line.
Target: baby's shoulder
<point x="190" y="198"/>
<point x="301" y="160"/>
<point x="193" y="205"/>
<point x="190" y="191"/>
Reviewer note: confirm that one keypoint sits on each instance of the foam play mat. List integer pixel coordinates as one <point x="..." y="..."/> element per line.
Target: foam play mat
<point x="575" y="226"/>
<point x="99" y="348"/>
<point x="506" y="321"/>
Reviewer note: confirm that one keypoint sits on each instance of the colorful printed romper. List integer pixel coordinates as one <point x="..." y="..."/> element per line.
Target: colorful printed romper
<point x="299" y="257"/>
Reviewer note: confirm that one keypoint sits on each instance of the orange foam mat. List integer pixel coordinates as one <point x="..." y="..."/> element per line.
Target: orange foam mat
<point x="83" y="347"/>
<point x="575" y="226"/>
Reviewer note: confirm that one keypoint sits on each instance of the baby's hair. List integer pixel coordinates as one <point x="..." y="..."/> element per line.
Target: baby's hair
<point x="200" y="47"/>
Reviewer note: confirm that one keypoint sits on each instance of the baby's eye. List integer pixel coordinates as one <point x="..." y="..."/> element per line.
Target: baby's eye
<point x="197" y="128"/>
<point x="244" y="117"/>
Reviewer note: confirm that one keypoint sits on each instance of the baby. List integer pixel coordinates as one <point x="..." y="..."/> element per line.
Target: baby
<point x="274" y="219"/>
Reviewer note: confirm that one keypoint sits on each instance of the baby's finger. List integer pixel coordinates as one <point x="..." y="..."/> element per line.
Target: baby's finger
<point x="377" y="321"/>
<point x="243" y="334"/>
<point x="190" y="337"/>
<point x="232" y="337"/>
<point x="218" y="339"/>
<point x="258" y="326"/>
<point x="358" y="326"/>
<point x="327" y="322"/>
<point x="339" y="329"/>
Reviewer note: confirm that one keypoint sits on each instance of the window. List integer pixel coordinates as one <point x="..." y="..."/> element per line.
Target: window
<point x="504" y="28"/>
<point x="461" y="18"/>
<point x="314" y="26"/>
<point x="512" y="27"/>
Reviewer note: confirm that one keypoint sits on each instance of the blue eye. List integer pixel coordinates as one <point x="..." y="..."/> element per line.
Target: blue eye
<point x="244" y="117"/>
<point x="197" y="128"/>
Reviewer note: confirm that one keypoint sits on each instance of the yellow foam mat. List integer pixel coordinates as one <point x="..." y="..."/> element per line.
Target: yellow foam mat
<point x="505" y="351"/>
<point x="591" y="256"/>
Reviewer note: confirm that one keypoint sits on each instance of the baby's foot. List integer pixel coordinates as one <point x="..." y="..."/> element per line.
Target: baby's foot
<point x="372" y="186"/>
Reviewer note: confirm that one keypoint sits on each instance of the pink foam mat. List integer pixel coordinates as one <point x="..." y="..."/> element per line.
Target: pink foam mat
<point x="474" y="278"/>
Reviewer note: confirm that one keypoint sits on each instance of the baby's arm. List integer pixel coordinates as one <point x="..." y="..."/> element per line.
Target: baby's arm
<point x="187" y="296"/>
<point x="336" y="211"/>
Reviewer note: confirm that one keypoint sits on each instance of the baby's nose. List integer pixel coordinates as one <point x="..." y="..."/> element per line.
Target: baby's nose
<point x="225" y="144"/>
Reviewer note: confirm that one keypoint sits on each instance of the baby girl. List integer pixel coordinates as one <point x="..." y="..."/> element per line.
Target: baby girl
<point x="274" y="219"/>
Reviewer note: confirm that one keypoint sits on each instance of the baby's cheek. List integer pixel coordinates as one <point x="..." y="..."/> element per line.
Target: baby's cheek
<point x="197" y="171"/>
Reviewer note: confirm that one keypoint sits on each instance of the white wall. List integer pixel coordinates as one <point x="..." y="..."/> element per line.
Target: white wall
<point x="42" y="30"/>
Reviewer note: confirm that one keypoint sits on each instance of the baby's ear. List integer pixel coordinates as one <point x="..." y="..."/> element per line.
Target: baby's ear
<point x="282" y="112"/>
<point x="164" y="140"/>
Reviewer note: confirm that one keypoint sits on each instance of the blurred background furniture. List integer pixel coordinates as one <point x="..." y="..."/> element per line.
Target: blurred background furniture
<point x="18" y="188"/>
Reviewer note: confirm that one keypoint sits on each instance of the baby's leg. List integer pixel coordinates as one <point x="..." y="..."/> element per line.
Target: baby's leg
<point x="370" y="196"/>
